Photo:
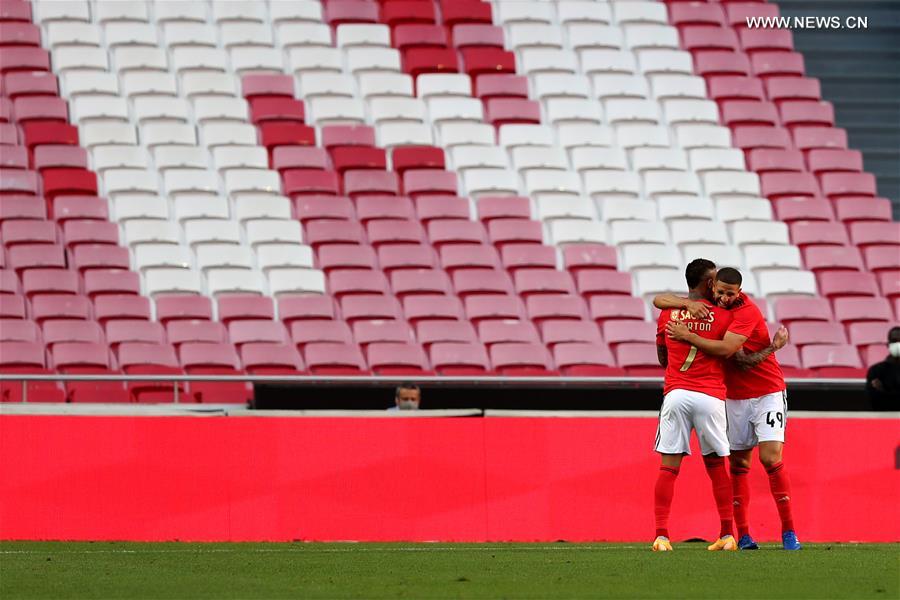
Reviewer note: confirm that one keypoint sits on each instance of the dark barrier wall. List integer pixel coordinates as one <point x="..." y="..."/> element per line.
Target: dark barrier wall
<point x="280" y="478"/>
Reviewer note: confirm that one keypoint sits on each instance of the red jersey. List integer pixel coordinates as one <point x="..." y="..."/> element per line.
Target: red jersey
<point x="688" y="368"/>
<point x="764" y="378"/>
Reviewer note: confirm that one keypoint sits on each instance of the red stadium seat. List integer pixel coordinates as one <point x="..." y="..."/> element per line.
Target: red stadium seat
<point x="305" y="308"/>
<point x="345" y="256"/>
<point x="417" y="61"/>
<point x="24" y="58"/>
<point x="49" y="281"/>
<point x="448" y="232"/>
<point x="30" y="232"/>
<point x="369" y="307"/>
<point x="526" y="256"/>
<point x="12" y="304"/>
<point x="430" y="208"/>
<point x="791" y="310"/>
<point x="751" y="137"/>
<point x="41" y="108"/>
<point x="47" y="307"/>
<point x="327" y="358"/>
<point x="398" y="12"/>
<point x="60" y="156"/>
<point x="766" y="160"/>
<point x="425" y="182"/>
<point x="77" y="233"/>
<point x="544" y="307"/>
<point x="14" y="157"/>
<point x="506" y="111"/>
<point x="507" y="331"/>
<point x="273" y="134"/>
<point x="392" y="358"/>
<point x="244" y="307"/>
<point x="313" y="207"/>
<point x="825" y="161"/>
<point x="408" y="158"/>
<point x="639" y="359"/>
<point x="70" y="331"/>
<point x="834" y="284"/>
<point x="434" y="332"/>
<point x="30" y="83"/>
<point x="195" y="330"/>
<point x="255" y="331"/>
<point x="469" y="282"/>
<point x="395" y="232"/>
<point x="394" y="257"/>
<point x="351" y="11"/>
<point x="468" y="256"/>
<point x="790" y="209"/>
<point x="37" y="133"/>
<point x="503" y="207"/>
<point x="203" y="358"/>
<point x="617" y="332"/>
<point x="337" y="136"/>
<point x="862" y="208"/>
<point x="767" y="64"/>
<point x="765" y="39"/>
<point x="299" y="182"/>
<point x="419" y="309"/>
<point x="271" y="359"/>
<point x="32" y="256"/>
<point x="781" y="89"/>
<point x="603" y="282"/>
<point x="835" y="185"/>
<point x="141" y="358"/>
<point x="81" y="358"/>
<point x="585" y="359"/>
<point x="370" y="332"/>
<point x="80" y="207"/>
<point x="125" y="331"/>
<point x="708" y="38"/>
<point x="811" y="138"/>
<point x="789" y="360"/>
<point x="359" y="158"/>
<point x="85" y="257"/>
<point x="418" y="35"/>
<point x="602" y="308"/>
<point x="832" y="258"/>
<point x="26" y="358"/>
<point x="521" y="360"/>
<point x="459" y="359"/>
<point x="502" y="232"/>
<point x="319" y="331"/>
<point x="9" y="282"/>
<point x="870" y="233"/>
<point x="748" y="113"/>
<point x="358" y="183"/>
<point x="882" y="258"/>
<point x="345" y="282"/>
<point x="478" y="61"/>
<point x="267" y="85"/>
<point x="588" y="257"/>
<point x="857" y="310"/>
<point x="719" y="63"/>
<point x="287" y="158"/>
<point x="182" y="306"/>
<point x="19" y="330"/>
<point x="869" y="333"/>
<point x="735" y="87"/>
<point x="807" y="114"/>
<point x="559" y="331"/>
<point x="332" y="231"/>
<point x="19" y="34"/>
<point x="17" y="11"/>
<point x="489" y="86"/>
<point x="109" y="307"/>
<point x="277" y="109"/>
<point x="478" y="35"/>
<point x="455" y="12"/>
<point x="818" y="233"/>
<point x="18" y="181"/>
<point x="833" y="361"/>
<point x="530" y="282"/>
<point x="792" y="185"/>
<point x="484" y="307"/>
<point x="681" y="14"/>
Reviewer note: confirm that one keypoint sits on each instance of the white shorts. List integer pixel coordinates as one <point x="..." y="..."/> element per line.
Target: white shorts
<point x="684" y="410"/>
<point x="756" y="420"/>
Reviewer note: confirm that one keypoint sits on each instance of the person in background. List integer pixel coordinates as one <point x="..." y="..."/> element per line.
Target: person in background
<point x="883" y="379"/>
<point x="407" y="397"/>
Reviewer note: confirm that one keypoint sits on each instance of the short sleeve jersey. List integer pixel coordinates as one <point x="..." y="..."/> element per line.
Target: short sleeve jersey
<point x="764" y="378"/>
<point x="688" y="367"/>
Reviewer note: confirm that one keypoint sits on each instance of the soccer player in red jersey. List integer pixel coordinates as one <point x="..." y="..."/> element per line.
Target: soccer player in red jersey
<point x="757" y="402"/>
<point x="694" y="400"/>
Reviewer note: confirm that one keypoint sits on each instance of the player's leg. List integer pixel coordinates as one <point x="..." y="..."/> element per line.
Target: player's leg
<point x="742" y="439"/>
<point x="770" y="422"/>
<point x="672" y="443"/>
<point x="710" y="423"/>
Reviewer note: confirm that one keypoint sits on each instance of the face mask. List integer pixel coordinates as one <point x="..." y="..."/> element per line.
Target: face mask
<point x="894" y="349"/>
<point x="407" y="404"/>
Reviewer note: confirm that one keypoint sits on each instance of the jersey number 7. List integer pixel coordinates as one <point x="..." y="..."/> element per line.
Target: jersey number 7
<point x="689" y="360"/>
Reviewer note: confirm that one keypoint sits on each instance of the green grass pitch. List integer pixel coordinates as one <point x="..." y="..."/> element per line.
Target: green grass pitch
<point x="307" y="570"/>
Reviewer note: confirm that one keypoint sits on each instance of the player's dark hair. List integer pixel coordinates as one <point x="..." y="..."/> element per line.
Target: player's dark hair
<point x="729" y="275"/>
<point x="894" y="334"/>
<point x="406" y="386"/>
<point x="697" y="270"/>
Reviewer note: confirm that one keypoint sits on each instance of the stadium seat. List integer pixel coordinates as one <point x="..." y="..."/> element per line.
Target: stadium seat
<point x="856" y="310"/>
<point x="521" y="360"/>
<point x="835" y="284"/>
<point x="833" y="361"/>
<point x="205" y="358"/>
<point x="329" y="358"/>
<point x="639" y="359"/>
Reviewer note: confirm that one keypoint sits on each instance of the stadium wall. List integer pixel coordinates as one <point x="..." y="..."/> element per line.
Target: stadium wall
<point x="463" y="479"/>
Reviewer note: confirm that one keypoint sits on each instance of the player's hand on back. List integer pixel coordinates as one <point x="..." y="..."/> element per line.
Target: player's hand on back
<point x="698" y="310"/>
<point x="677" y="331"/>
<point x="780" y="339"/>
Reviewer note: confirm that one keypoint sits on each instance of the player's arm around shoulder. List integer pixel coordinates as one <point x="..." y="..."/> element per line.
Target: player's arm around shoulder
<point x="697" y="309"/>
<point x="725" y="347"/>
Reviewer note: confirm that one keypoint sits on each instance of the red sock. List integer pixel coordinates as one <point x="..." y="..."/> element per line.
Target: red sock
<point x="662" y="498"/>
<point x="741" y="491"/>
<point x="715" y="468"/>
<point x="781" y="492"/>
